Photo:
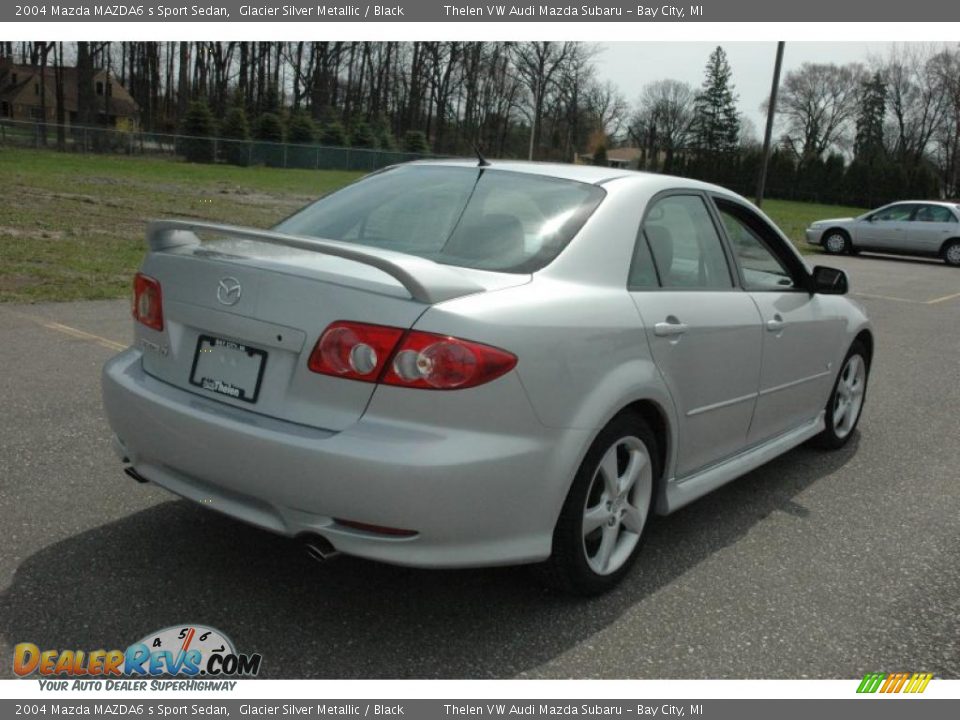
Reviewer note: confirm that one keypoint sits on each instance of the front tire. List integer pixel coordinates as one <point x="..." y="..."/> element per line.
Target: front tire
<point x="846" y="401"/>
<point x="951" y="253"/>
<point x="836" y="242"/>
<point x="602" y="523"/>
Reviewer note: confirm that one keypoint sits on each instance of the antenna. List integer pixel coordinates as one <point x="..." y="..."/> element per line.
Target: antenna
<point x="482" y="161"/>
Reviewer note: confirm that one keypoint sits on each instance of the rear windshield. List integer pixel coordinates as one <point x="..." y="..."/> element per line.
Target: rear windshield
<point x="470" y="217"/>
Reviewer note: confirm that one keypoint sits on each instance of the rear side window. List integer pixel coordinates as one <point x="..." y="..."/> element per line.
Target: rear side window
<point x="934" y="213"/>
<point x="686" y="247"/>
<point x="471" y="217"/>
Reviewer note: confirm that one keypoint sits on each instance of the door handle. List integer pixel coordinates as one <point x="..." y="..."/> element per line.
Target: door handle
<point x="668" y="329"/>
<point x="776" y="324"/>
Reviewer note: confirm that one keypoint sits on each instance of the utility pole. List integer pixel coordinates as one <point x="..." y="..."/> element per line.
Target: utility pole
<point x="771" y="111"/>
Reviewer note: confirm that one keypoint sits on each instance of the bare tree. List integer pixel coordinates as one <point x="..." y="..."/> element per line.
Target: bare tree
<point x="817" y="102"/>
<point x="663" y="121"/>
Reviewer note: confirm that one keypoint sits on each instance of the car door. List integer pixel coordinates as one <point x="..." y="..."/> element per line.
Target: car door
<point x="931" y="225"/>
<point x="886" y="228"/>
<point x="703" y="330"/>
<point x="800" y="332"/>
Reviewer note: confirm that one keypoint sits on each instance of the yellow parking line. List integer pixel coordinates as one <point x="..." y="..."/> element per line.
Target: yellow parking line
<point x="67" y="330"/>
<point x="82" y="335"/>
<point x="890" y="297"/>
<point x="943" y="299"/>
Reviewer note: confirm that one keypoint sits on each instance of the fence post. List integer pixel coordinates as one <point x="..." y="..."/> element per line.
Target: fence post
<point x="317" y="165"/>
<point x="249" y="153"/>
<point x="284" y="156"/>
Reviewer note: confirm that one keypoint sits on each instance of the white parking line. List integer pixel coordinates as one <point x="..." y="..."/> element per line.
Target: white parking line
<point x="943" y="299"/>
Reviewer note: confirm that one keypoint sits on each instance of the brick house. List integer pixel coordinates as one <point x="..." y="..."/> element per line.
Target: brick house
<point x="21" y="92"/>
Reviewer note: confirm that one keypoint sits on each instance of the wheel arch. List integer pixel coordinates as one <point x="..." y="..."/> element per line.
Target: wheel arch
<point x="836" y="228"/>
<point x="656" y="416"/>
<point x="947" y="243"/>
<point x="866" y="337"/>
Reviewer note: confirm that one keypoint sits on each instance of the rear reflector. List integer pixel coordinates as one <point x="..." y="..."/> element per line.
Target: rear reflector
<point x="377" y="529"/>
<point x="414" y="359"/>
<point x="147" y="301"/>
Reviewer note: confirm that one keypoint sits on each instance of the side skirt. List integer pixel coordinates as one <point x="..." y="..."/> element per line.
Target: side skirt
<point x="682" y="492"/>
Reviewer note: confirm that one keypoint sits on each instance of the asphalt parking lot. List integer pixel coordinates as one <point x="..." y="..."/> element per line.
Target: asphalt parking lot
<point x="816" y="565"/>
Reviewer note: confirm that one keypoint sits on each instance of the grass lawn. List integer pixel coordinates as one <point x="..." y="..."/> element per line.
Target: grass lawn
<point x="794" y="217"/>
<point x="72" y="225"/>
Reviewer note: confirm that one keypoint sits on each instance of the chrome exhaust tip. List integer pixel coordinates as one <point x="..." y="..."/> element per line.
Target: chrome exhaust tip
<point x="319" y="548"/>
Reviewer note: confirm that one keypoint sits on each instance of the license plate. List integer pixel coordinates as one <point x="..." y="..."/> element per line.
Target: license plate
<point x="228" y="368"/>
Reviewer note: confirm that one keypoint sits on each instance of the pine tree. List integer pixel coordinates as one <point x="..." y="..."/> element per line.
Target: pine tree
<point x="236" y="132"/>
<point x="716" y="123"/>
<point x="198" y="125"/>
<point x="870" y="116"/>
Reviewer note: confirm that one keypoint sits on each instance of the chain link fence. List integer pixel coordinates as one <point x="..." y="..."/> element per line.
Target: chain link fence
<point x="85" y="139"/>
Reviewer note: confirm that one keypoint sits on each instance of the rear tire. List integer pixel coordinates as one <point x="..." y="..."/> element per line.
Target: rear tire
<point x="836" y="242"/>
<point x="846" y="401"/>
<point x="601" y="526"/>
<point x="951" y="253"/>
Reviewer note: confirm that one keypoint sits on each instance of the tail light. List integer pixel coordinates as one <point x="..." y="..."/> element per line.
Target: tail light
<point x="354" y="350"/>
<point x="147" y="301"/>
<point x="414" y="359"/>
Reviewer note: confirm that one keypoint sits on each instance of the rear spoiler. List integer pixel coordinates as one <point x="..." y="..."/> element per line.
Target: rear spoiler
<point x="426" y="281"/>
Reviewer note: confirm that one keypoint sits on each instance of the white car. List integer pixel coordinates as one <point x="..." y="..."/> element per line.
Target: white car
<point x="449" y="364"/>
<point x="911" y="228"/>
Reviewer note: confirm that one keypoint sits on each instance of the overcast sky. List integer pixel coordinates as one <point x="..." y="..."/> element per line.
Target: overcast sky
<point x="632" y="65"/>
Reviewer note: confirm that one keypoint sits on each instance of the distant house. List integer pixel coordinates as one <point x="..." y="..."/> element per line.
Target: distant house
<point x="624" y="157"/>
<point x="21" y="88"/>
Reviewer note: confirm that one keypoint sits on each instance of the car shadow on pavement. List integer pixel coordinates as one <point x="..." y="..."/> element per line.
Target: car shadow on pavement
<point x="177" y="563"/>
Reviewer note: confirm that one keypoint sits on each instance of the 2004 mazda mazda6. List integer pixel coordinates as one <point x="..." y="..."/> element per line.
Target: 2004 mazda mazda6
<point x="452" y="364"/>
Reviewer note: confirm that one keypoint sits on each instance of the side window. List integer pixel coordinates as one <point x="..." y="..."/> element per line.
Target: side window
<point x="643" y="275"/>
<point x="686" y="247"/>
<point x="762" y="269"/>
<point x="934" y="213"/>
<point x="895" y="213"/>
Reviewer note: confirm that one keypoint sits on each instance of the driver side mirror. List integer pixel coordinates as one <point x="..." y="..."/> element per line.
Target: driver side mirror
<point x="829" y="281"/>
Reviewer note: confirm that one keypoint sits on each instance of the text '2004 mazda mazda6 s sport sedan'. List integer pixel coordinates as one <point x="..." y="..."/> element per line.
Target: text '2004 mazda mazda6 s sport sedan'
<point x="451" y="364"/>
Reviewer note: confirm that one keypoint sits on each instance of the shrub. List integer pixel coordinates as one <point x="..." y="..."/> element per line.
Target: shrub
<point x="362" y="136"/>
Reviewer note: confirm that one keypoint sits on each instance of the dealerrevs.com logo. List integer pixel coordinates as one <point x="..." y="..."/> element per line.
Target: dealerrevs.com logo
<point x="191" y="651"/>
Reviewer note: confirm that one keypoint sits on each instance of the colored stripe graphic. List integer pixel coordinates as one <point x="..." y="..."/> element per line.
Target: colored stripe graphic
<point x="894" y="682"/>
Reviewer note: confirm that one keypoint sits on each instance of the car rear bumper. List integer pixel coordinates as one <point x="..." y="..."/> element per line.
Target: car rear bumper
<point x="474" y="497"/>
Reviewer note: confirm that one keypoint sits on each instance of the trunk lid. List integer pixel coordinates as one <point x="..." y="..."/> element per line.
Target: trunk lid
<point x="241" y="317"/>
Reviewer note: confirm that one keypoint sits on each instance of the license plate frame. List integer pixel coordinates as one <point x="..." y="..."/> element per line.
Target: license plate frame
<point x="234" y="381"/>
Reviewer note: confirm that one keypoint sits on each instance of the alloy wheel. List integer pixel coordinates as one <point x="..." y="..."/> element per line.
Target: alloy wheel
<point x="617" y="505"/>
<point x="849" y="396"/>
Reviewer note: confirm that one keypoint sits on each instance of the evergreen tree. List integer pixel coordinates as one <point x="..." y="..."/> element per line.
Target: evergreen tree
<point x="198" y="126"/>
<point x="716" y="122"/>
<point x="870" y="116"/>
<point x="415" y="141"/>
<point x="269" y="128"/>
<point x="362" y="136"/>
<point x="236" y="133"/>
<point x="301" y="130"/>
<point x="333" y="134"/>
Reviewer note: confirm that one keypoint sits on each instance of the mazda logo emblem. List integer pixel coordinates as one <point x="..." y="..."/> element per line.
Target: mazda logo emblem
<point x="228" y="291"/>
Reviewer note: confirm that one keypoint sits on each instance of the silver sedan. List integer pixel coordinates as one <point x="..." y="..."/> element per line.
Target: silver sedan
<point x="452" y="364"/>
<point x="911" y="228"/>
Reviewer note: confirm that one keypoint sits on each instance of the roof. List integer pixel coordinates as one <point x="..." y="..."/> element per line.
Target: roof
<point x="26" y="74"/>
<point x="592" y="174"/>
